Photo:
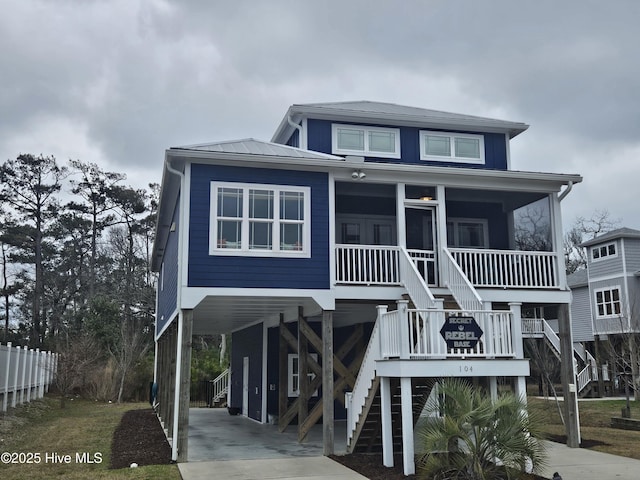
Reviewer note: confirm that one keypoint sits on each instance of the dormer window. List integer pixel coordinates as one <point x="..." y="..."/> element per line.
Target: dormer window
<point x="451" y="147"/>
<point x="368" y="141"/>
<point x="602" y="251"/>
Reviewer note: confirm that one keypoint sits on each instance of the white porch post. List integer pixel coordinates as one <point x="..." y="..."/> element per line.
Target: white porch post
<point x="441" y="230"/>
<point x="401" y="218"/>
<point x="408" y="461"/>
<point x="516" y="329"/>
<point x="493" y="388"/>
<point x="558" y="241"/>
<point x="404" y="328"/>
<point x="385" y="412"/>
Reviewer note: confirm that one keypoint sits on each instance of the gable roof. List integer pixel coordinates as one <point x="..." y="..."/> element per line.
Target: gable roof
<point x="251" y="146"/>
<point x="364" y="111"/>
<point x="612" y="235"/>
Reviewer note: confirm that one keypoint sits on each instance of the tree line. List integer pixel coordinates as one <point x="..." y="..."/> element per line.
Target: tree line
<point x="75" y="243"/>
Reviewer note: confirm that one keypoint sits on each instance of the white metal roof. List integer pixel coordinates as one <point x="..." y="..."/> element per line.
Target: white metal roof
<point x="251" y="146"/>
<point x="394" y="114"/>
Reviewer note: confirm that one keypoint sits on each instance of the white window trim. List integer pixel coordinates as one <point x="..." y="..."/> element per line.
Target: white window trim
<point x="455" y="221"/>
<point x="606" y="247"/>
<point x="275" y="251"/>
<point x="290" y="374"/>
<point x="452" y="158"/>
<point x="605" y="289"/>
<point x="366" y="151"/>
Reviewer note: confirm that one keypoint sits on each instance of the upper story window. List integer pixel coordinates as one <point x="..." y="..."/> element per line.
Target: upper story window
<point x="371" y="141"/>
<point x="602" y="251"/>
<point x="260" y="220"/>
<point x="608" y="302"/>
<point x="451" y="147"/>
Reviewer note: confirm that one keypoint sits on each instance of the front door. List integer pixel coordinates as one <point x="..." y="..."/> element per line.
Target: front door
<point x="421" y="240"/>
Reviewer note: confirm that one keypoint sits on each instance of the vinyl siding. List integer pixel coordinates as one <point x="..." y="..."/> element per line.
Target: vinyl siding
<point x="632" y="254"/>
<point x="168" y="285"/>
<point x="606" y="266"/>
<point x="247" y="343"/>
<point x="581" y="315"/>
<point x="266" y="272"/>
<point x="495" y="148"/>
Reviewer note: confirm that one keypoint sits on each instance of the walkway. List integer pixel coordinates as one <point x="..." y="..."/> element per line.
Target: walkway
<point x="235" y="448"/>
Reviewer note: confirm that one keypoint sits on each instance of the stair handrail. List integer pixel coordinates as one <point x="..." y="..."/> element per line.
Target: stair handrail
<point x="459" y="285"/>
<point x="220" y="385"/>
<point x="584" y="378"/>
<point x="355" y="399"/>
<point x="414" y="283"/>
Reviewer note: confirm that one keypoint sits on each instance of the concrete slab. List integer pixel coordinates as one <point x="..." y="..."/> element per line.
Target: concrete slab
<point x="583" y="464"/>
<point x="300" y="468"/>
<point x="216" y="435"/>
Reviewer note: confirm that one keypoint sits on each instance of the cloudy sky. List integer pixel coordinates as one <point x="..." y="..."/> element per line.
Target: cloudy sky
<point x="116" y="82"/>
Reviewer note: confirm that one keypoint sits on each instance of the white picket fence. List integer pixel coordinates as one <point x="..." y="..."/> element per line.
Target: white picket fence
<point x="25" y="374"/>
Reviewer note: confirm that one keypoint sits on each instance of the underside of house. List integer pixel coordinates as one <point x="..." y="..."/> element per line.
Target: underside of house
<point x="382" y="278"/>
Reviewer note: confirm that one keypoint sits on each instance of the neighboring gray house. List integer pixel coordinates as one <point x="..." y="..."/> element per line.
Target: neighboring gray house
<point x="605" y="309"/>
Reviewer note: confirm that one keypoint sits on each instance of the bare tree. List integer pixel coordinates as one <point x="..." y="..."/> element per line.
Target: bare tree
<point x="584" y="229"/>
<point x="76" y="357"/>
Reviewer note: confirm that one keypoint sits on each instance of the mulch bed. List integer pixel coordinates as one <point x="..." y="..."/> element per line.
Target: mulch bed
<point x="139" y="439"/>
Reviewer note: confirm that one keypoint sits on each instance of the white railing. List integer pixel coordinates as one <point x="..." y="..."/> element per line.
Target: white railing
<point x="418" y="334"/>
<point x="355" y="400"/>
<point x="532" y="326"/>
<point x="220" y="385"/>
<point x="367" y="265"/>
<point x="458" y="284"/>
<point x="508" y="268"/>
<point x="24" y="374"/>
<point x="414" y="282"/>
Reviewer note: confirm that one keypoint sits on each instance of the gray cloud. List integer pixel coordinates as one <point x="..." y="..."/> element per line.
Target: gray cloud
<point x="119" y="81"/>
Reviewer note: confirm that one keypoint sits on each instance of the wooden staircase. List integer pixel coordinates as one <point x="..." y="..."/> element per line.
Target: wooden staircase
<point x="368" y="435"/>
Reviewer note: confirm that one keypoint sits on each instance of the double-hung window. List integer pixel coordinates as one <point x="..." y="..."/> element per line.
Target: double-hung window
<point x="369" y="141"/>
<point x="608" y="302"/>
<point x="451" y="147"/>
<point x="260" y="220"/>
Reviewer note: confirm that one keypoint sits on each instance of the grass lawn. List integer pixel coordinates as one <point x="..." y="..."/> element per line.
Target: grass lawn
<point x="41" y="429"/>
<point x="595" y="421"/>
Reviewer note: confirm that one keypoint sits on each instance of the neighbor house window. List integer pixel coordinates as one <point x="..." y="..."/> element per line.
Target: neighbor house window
<point x="294" y="375"/>
<point x="371" y="141"/>
<point x="468" y="233"/>
<point x="608" y="302"/>
<point x="602" y="251"/>
<point x="451" y="147"/>
<point x="260" y="220"/>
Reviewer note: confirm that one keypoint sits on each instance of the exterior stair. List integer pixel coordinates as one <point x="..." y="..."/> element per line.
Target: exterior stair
<point x="368" y="437"/>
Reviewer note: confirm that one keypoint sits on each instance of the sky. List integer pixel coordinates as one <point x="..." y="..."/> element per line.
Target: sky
<point x="117" y="82"/>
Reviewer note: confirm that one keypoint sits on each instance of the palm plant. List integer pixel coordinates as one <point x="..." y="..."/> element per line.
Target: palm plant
<point x="469" y="436"/>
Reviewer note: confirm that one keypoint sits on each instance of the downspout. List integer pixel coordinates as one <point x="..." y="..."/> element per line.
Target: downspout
<point x="299" y="128"/>
<point x="176" y="396"/>
<point x="566" y="191"/>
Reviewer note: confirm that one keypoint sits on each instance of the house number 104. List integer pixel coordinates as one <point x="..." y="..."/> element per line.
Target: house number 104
<point x="466" y="368"/>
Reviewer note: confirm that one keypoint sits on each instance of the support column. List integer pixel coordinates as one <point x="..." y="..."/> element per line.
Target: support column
<point x="303" y="378"/>
<point x="408" y="460"/>
<point x="567" y="373"/>
<point x="283" y="374"/>
<point x="385" y="414"/>
<point x="183" y="386"/>
<point x="493" y="388"/>
<point x="599" y="369"/>
<point x="327" y="383"/>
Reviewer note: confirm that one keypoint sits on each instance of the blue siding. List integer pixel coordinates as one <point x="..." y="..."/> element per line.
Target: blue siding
<point x="247" y="343"/>
<point x="265" y="272"/>
<point x="168" y="289"/>
<point x="495" y="147"/>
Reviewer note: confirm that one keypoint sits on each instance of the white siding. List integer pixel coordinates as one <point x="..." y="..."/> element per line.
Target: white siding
<point x="581" y="315"/>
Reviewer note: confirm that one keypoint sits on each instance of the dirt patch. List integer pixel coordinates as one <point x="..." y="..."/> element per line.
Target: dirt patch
<point x="584" y="442"/>
<point x="139" y="439"/>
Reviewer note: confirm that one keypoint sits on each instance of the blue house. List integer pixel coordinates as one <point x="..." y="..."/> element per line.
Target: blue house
<point x="364" y="253"/>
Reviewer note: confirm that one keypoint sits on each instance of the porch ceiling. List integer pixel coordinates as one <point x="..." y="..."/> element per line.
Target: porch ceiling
<point x="225" y="314"/>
